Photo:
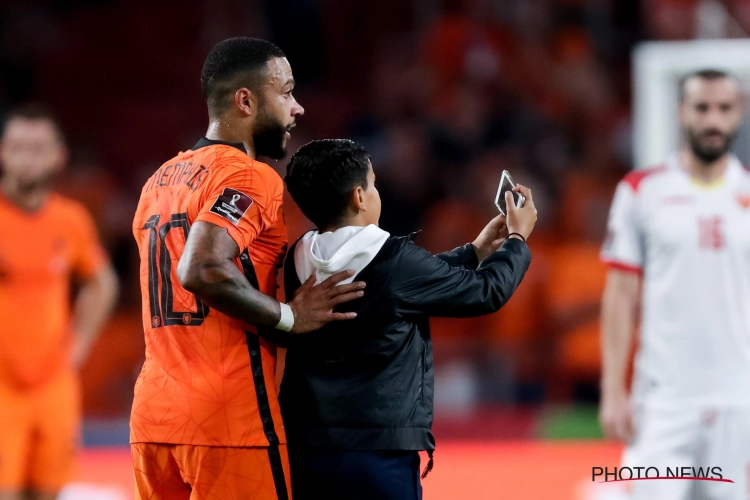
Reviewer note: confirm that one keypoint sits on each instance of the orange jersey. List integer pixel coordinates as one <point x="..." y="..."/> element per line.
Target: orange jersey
<point x="40" y="252"/>
<point x="208" y="378"/>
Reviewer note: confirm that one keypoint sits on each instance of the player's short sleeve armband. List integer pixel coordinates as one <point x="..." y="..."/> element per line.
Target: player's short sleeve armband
<point x="623" y="246"/>
<point x="243" y="202"/>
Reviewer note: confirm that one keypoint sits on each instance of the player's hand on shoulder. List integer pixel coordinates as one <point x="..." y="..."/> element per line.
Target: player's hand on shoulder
<point x="521" y="220"/>
<point x="313" y="304"/>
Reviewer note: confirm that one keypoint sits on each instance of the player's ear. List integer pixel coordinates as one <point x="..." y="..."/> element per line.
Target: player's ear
<point x="246" y="101"/>
<point x="63" y="154"/>
<point x="358" y="199"/>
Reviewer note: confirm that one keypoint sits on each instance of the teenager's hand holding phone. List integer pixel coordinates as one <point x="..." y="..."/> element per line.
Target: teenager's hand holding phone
<point x="507" y="185"/>
<point x="492" y="236"/>
<point x="520" y="220"/>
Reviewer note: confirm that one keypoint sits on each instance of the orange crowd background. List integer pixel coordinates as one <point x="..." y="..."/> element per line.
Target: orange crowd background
<point x="445" y="94"/>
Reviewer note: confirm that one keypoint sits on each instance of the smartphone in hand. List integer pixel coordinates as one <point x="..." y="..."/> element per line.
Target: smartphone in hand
<point x="507" y="184"/>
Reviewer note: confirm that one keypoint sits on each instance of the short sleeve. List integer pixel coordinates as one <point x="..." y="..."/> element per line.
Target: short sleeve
<point x="623" y="247"/>
<point x="244" y="202"/>
<point x="89" y="256"/>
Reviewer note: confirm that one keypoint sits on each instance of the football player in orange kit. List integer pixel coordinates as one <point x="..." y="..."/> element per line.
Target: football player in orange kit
<point x="45" y="241"/>
<point x="206" y="423"/>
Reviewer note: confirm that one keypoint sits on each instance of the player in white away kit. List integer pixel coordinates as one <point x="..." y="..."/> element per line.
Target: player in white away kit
<point x="682" y="231"/>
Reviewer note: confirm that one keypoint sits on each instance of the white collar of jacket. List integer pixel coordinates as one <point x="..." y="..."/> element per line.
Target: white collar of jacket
<point x="349" y="247"/>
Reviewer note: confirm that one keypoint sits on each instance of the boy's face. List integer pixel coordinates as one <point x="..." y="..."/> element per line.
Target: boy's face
<point x="372" y="199"/>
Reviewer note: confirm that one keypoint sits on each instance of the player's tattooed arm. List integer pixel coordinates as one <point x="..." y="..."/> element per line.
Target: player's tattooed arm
<point x="207" y="268"/>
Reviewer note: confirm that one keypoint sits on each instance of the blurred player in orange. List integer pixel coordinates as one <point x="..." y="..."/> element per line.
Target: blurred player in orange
<point x="206" y="422"/>
<point x="46" y="241"/>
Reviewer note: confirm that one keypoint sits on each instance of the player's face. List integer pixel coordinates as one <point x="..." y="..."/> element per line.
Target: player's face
<point x="372" y="199"/>
<point x="710" y="114"/>
<point x="31" y="151"/>
<point x="277" y="111"/>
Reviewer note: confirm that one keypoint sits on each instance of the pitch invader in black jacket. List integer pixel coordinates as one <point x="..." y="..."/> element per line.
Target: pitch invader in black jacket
<point x="357" y="396"/>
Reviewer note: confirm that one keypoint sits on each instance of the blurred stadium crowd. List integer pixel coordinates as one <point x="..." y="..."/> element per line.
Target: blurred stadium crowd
<point x="444" y="94"/>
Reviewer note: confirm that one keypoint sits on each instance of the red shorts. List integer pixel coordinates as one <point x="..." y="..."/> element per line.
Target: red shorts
<point x="39" y="434"/>
<point x="190" y="472"/>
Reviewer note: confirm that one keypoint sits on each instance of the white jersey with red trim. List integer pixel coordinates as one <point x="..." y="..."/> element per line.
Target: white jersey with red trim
<point x="691" y="242"/>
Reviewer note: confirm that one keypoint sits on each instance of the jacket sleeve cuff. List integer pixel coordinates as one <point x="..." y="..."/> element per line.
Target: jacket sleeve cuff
<point x="514" y="247"/>
<point x="516" y="244"/>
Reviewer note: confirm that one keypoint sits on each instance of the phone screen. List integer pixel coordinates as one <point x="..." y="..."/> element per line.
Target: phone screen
<point x="506" y="184"/>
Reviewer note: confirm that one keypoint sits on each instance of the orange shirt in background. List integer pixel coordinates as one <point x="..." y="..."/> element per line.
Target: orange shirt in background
<point x="40" y="252"/>
<point x="208" y="378"/>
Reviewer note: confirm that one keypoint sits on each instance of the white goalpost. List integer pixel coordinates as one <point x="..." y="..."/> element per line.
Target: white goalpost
<point x="657" y="68"/>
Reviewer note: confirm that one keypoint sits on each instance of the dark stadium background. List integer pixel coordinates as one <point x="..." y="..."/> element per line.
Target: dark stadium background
<point x="445" y="94"/>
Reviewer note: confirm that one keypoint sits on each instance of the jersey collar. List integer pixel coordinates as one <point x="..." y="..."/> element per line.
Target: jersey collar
<point x="734" y="167"/>
<point x="203" y="142"/>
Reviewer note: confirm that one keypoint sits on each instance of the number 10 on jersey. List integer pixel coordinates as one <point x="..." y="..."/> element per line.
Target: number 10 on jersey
<point x="161" y="298"/>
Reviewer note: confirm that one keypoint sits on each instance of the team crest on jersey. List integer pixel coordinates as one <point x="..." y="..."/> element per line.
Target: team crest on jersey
<point x="743" y="200"/>
<point x="232" y="205"/>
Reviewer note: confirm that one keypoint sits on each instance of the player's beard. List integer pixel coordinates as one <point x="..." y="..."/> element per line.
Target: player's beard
<point x="35" y="181"/>
<point x="709" y="154"/>
<point x="269" y="136"/>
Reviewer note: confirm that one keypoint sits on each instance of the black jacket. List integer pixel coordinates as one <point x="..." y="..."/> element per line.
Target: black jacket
<point x="367" y="383"/>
